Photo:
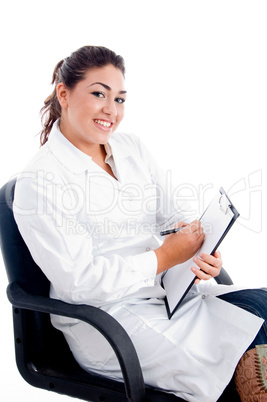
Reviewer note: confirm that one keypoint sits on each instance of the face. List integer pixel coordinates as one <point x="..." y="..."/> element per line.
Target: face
<point x="93" y="109"/>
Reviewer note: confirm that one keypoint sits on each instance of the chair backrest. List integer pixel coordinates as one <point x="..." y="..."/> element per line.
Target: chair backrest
<point x="35" y="327"/>
<point x="18" y="261"/>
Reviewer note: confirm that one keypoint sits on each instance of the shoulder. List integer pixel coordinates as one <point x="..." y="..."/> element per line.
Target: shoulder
<point x="41" y="160"/>
<point x="42" y="170"/>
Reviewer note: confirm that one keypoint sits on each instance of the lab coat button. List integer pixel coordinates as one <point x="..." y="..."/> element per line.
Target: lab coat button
<point x="148" y="249"/>
<point x="203" y="297"/>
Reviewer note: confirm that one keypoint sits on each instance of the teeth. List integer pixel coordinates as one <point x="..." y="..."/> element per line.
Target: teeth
<point x="103" y="123"/>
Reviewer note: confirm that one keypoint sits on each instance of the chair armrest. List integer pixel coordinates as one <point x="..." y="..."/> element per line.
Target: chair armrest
<point x="99" y="319"/>
<point x="223" y="278"/>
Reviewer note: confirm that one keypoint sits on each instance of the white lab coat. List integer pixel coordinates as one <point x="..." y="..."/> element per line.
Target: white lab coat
<point x="93" y="237"/>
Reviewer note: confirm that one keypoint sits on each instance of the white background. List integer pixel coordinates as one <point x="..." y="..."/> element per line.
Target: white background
<point x="197" y="96"/>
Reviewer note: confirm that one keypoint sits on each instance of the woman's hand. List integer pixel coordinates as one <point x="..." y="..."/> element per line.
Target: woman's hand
<point x="210" y="266"/>
<point x="181" y="246"/>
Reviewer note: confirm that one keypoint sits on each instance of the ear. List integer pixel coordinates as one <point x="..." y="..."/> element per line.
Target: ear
<point x="62" y="95"/>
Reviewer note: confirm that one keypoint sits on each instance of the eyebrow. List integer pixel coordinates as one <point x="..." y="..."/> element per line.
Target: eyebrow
<point x="106" y="87"/>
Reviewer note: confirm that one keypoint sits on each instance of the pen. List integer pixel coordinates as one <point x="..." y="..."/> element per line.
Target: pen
<point x="166" y="232"/>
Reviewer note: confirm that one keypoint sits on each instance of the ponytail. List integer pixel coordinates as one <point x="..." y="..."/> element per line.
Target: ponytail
<point x="51" y="111"/>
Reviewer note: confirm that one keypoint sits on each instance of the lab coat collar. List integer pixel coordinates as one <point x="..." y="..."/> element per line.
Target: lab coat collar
<point x="71" y="157"/>
<point x="68" y="155"/>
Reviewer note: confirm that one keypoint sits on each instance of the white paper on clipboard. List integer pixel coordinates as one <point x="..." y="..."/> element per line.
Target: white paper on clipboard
<point x="216" y="222"/>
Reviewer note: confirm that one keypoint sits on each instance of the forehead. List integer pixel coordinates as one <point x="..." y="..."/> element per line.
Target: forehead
<point x="109" y="75"/>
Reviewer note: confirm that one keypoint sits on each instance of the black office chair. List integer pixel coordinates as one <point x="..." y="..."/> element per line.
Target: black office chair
<point x="42" y="353"/>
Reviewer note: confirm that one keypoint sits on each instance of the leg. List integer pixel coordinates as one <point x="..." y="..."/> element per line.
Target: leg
<point x="251" y="372"/>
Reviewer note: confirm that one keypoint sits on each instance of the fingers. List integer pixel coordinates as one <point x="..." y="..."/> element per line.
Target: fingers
<point x="201" y="275"/>
<point x="180" y="224"/>
<point x="197" y="229"/>
<point x="213" y="260"/>
<point x="209" y="266"/>
<point x="194" y="228"/>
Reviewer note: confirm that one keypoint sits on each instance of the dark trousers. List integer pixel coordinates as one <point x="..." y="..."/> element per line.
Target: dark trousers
<point x="254" y="301"/>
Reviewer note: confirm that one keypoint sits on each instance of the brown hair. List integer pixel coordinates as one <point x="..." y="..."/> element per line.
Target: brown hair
<point x="70" y="71"/>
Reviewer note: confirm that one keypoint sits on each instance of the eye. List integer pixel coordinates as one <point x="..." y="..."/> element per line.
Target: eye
<point x="119" y="100"/>
<point x="98" y="94"/>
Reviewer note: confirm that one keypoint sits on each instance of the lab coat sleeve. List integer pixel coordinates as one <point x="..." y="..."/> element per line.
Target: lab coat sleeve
<point x="66" y="258"/>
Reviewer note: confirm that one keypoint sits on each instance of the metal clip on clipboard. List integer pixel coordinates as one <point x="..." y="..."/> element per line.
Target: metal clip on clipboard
<point x="224" y="202"/>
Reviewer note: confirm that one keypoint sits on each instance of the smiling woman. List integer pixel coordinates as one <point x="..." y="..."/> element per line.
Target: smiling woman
<point x="90" y="207"/>
<point x="73" y="70"/>
<point x="92" y="110"/>
<point x="88" y="100"/>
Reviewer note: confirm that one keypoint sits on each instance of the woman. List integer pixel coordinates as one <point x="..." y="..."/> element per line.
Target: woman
<point x="90" y="206"/>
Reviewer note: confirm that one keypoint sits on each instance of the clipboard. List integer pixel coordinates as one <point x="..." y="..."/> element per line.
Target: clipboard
<point x="217" y="220"/>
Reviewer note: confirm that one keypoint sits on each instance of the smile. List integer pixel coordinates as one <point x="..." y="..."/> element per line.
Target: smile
<point x="103" y="123"/>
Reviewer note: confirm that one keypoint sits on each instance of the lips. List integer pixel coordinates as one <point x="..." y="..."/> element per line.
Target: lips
<point x="103" y="123"/>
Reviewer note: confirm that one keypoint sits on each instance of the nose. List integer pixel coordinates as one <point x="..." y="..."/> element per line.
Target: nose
<point x="110" y="108"/>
